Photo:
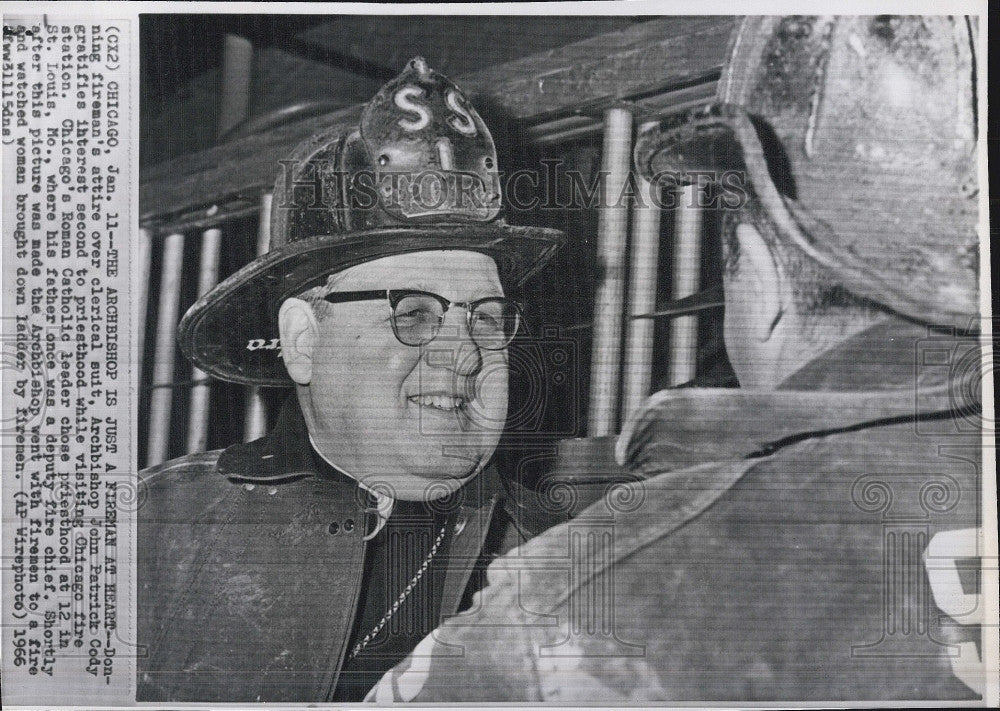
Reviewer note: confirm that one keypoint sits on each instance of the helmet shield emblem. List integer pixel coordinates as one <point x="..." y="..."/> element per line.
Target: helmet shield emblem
<point x="431" y="153"/>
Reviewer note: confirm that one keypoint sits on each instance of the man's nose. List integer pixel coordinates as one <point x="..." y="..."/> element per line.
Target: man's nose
<point x="453" y="348"/>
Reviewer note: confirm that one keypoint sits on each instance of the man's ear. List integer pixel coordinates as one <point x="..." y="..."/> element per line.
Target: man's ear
<point x="757" y="265"/>
<point x="299" y="331"/>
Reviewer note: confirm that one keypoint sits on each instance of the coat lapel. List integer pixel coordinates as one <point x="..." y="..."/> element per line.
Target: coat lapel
<point x="472" y="525"/>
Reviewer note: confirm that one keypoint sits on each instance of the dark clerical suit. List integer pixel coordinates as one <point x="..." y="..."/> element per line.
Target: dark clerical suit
<point x="255" y="583"/>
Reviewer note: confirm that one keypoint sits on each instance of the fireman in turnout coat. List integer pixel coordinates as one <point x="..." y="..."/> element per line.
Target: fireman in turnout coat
<point x="815" y="535"/>
<point x="301" y="566"/>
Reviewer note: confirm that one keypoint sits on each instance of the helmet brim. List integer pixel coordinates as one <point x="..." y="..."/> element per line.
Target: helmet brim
<point x="231" y="332"/>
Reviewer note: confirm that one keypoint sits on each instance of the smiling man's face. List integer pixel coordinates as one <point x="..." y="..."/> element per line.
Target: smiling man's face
<point x="420" y="420"/>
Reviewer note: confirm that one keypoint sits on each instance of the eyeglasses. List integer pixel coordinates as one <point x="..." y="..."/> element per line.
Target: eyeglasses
<point x="417" y="315"/>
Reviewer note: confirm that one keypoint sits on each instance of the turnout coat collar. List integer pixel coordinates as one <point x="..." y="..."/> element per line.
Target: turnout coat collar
<point x="250" y="570"/>
<point x="895" y="371"/>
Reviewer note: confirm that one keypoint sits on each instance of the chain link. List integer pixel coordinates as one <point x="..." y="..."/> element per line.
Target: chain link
<point x="402" y="596"/>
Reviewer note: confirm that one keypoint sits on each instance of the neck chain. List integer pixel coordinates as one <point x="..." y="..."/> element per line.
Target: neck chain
<point x="394" y="608"/>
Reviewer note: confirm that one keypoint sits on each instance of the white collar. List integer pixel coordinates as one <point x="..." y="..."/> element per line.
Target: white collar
<point x="383" y="502"/>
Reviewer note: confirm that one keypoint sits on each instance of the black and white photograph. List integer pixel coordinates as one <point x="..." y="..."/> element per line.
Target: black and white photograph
<point x="520" y="354"/>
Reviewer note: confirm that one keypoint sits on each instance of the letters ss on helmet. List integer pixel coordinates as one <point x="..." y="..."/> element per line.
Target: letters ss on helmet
<point x="410" y="99"/>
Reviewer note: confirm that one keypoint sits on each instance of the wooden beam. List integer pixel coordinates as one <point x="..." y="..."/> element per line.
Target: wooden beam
<point x="455" y="44"/>
<point x="659" y="56"/>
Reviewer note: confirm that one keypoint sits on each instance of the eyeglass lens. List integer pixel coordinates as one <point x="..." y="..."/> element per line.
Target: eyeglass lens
<point x="418" y="318"/>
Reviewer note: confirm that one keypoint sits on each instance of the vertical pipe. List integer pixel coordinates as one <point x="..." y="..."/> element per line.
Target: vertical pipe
<point x="163" y="357"/>
<point x="687" y="270"/>
<point x="255" y="420"/>
<point x="611" y="242"/>
<point x="208" y="275"/>
<point x="234" y="109"/>
<point x="642" y="294"/>
<point x="237" y="67"/>
<point x="141" y="290"/>
<point x="264" y="225"/>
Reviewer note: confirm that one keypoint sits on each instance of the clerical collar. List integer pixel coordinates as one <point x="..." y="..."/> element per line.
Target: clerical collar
<point x="383" y="502"/>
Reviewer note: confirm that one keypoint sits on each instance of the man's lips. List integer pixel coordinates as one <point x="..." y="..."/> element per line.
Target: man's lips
<point x="446" y="402"/>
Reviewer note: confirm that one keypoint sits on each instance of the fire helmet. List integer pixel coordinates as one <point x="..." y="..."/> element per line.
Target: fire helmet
<point x="858" y="136"/>
<point x="419" y="172"/>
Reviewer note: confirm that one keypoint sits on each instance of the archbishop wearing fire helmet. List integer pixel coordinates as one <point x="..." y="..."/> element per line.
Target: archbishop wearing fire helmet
<point x="301" y="566"/>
